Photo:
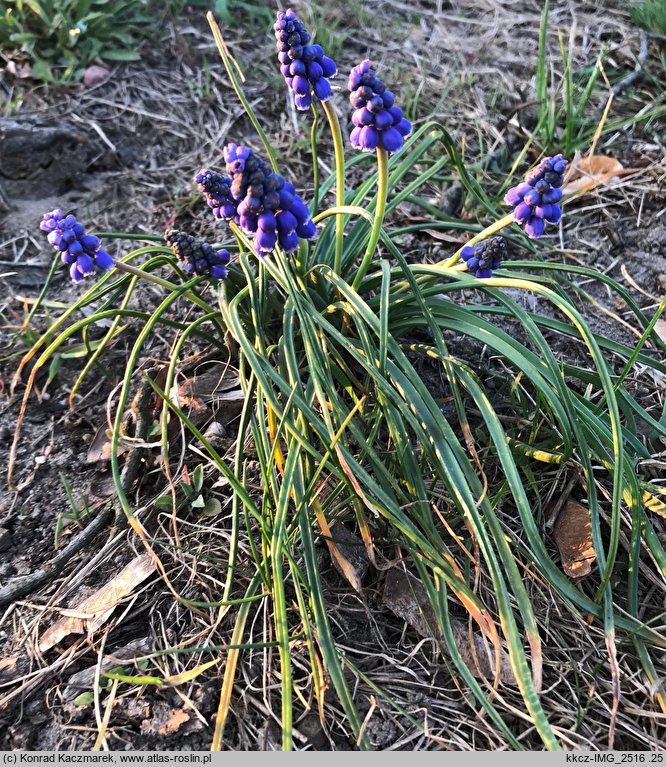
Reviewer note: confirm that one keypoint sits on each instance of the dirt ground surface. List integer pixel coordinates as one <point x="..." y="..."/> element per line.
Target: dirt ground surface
<point x="122" y="155"/>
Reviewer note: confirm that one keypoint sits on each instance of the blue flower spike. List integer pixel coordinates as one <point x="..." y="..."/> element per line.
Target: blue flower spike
<point x="216" y="188"/>
<point x="198" y="257"/>
<point x="484" y="257"/>
<point x="80" y="251"/>
<point x="378" y="122"/>
<point x="305" y="68"/>
<point x="535" y="201"/>
<point x="260" y="201"/>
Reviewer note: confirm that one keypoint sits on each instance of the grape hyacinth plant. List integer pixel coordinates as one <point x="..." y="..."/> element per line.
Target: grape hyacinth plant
<point x="535" y="201"/>
<point x="484" y="257"/>
<point x="379" y="125"/>
<point x="260" y="201"/>
<point x="216" y="189"/>
<point x="80" y="251"/>
<point x="378" y="121"/>
<point x="337" y="326"/>
<point x="305" y="68"/>
<point x="198" y="257"/>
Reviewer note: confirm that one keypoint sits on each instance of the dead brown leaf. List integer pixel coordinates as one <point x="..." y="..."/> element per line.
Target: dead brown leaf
<point x="99" y="449"/>
<point x="165" y="720"/>
<point x="11" y="668"/>
<point x="199" y="395"/>
<point x="93" y="612"/>
<point x="590" y="172"/>
<point x="573" y="535"/>
<point x="348" y="554"/>
<point x="407" y="598"/>
<point x="102" y="486"/>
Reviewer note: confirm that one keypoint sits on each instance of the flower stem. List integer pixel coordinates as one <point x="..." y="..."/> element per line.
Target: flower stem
<point x="339" y="150"/>
<point x="382" y="192"/>
<point x="501" y="224"/>
<point x="315" y="160"/>
<point x="170" y="286"/>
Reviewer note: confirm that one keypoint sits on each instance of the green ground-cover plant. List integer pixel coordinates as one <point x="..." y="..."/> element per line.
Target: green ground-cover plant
<point x="62" y="37"/>
<point x="650" y="15"/>
<point x="330" y="336"/>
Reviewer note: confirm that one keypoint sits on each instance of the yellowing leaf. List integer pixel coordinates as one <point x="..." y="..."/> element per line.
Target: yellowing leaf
<point x="188" y="676"/>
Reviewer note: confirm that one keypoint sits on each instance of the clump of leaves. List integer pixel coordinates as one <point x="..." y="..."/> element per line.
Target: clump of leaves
<point x="650" y="15"/>
<point x="62" y="37"/>
<point x="191" y="488"/>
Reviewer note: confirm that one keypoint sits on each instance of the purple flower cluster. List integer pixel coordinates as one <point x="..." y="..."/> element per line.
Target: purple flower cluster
<point x="304" y="67"/>
<point x="80" y="251"/>
<point x="535" y="200"/>
<point x="485" y="256"/>
<point x="377" y="121"/>
<point x="198" y="257"/>
<point x="216" y="188"/>
<point x="261" y="202"/>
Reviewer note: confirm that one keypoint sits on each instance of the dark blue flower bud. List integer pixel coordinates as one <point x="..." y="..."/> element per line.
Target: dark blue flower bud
<point x="383" y="120"/>
<point x="297" y="68"/>
<point x="103" y="260"/>
<point x="485" y="256"/>
<point x="306" y="230"/>
<point x="197" y="257"/>
<point x="369" y="138"/>
<point x="264" y="241"/>
<point x="286" y="222"/>
<point x="390" y="139"/>
<point x="314" y="71"/>
<point x="301" y="86"/>
<point x="90" y="243"/>
<point x="85" y="264"/>
<point x="322" y="89"/>
<point x="289" y="241"/>
<point x="75" y="248"/>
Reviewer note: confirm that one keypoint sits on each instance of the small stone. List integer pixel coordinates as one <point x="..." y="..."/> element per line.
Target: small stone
<point x="95" y="75"/>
